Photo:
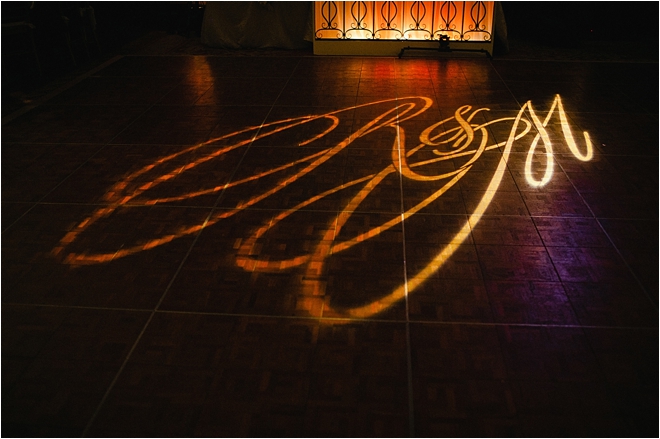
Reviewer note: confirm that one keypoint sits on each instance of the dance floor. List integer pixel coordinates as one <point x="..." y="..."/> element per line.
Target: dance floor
<point x="333" y="246"/>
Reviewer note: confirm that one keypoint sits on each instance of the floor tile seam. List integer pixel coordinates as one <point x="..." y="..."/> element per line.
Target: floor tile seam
<point x="534" y="325"/>
<point x="559" y="81"/>
<point x="572" y="112"/>
<point x="616" y="248"/>
<point x="464" y="202"/>
<point x="201" y="147"/>
<point x="648" y="109"/>
<point x="247" y="209"/>
<point x="101" y="204"/>
<point x="207" y="87"/>
<point x="43" y="100"/>
<point x="273" y="106"/>
<point x="323" y="320"/>
<point x="636" y="156"/>
<point x="183" y="76"/>
<point x="546" y="246"/>
<point x="547" y="252"/>
<point x="254" y="137"/>
<point x="373" y="211"/>
<point x="173" y="206"/>
<point x="543" y="243"/>
<point x="7" y="142"/>
<point x="45" y="343"/>
<point x="607" y="113"/>
<point x="83" y="307"/>
<point x="357" y="212"/>
<point x="103" y="146"/>
<point x="551" y="60"/>
<point x="399" y="321"/>
<point x="88" y="159"/>
<point x="655" y="220"/>
<point x="508" y="164"/>
<point x="218" y="55"/>
<point x="599" y="217"/>
<point x="157" y="104"/>
<point x="143" y="331"/>
<point x="409" y="362"/>
<point x="36" y="203"/>
<point x="601" y="363"/>
<point x="625" y="261"/>
<point x="116" y="377"/>
<point x="172" y="280"/>
<point x="110" y="76"/>
<point x="482" y="270"/>
<point x="308" y="393"/>
<point x="614" y="87"/>
<point x="571" y="82"/>
<point x="153" y="311"/>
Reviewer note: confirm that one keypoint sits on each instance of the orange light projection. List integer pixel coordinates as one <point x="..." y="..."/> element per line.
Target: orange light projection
<point x="459" y="139"/>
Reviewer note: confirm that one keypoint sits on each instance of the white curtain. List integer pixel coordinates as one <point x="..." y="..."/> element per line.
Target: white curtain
<point x="257" y="25"/>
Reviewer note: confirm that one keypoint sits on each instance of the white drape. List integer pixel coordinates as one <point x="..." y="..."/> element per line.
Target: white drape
<point x="252" y="25"/>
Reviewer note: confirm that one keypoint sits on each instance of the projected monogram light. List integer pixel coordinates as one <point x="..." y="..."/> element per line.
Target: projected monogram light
<point x="459" y="139"/>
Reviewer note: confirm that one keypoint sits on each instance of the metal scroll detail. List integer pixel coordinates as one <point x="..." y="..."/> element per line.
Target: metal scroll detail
<point x="478" y="16"/>
<point x="329" y="15"/>
<point x="389" y="12"/>
<point x="418" y="26"/>
<point x="359" y="15"/>
<point x="402" y="20"/>
<point x="447" y="25"/>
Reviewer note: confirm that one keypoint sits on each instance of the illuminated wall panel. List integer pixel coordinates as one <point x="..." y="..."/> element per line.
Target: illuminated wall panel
<point x="341" y="24"/>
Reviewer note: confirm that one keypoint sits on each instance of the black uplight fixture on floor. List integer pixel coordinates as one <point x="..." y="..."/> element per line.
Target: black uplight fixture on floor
<point x="443" y="47"/>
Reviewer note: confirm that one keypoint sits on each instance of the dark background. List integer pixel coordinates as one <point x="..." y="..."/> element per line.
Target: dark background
<point x="565" y="24"/>
<point x="57" y="31"/>
<point x="548" y="24"/>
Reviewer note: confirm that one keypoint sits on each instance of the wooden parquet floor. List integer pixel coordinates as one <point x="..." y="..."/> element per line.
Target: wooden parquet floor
<point x="199" y="245"/>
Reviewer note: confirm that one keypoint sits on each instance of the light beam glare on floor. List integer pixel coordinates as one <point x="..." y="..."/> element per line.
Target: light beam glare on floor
<point x="449" y="142"/>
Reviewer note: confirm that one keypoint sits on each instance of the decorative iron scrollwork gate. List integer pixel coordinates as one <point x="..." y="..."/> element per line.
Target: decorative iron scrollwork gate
<point x="403" y="21"/>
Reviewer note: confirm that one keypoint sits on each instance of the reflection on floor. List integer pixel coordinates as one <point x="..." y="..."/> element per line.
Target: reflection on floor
<point x="306" y="246"/>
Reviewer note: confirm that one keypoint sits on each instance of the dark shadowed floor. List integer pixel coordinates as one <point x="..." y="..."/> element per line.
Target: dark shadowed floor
<point x="270" y="245"/>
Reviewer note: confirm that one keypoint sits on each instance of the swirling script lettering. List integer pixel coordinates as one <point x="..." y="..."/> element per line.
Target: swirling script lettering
<point x="458" y="138"/>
